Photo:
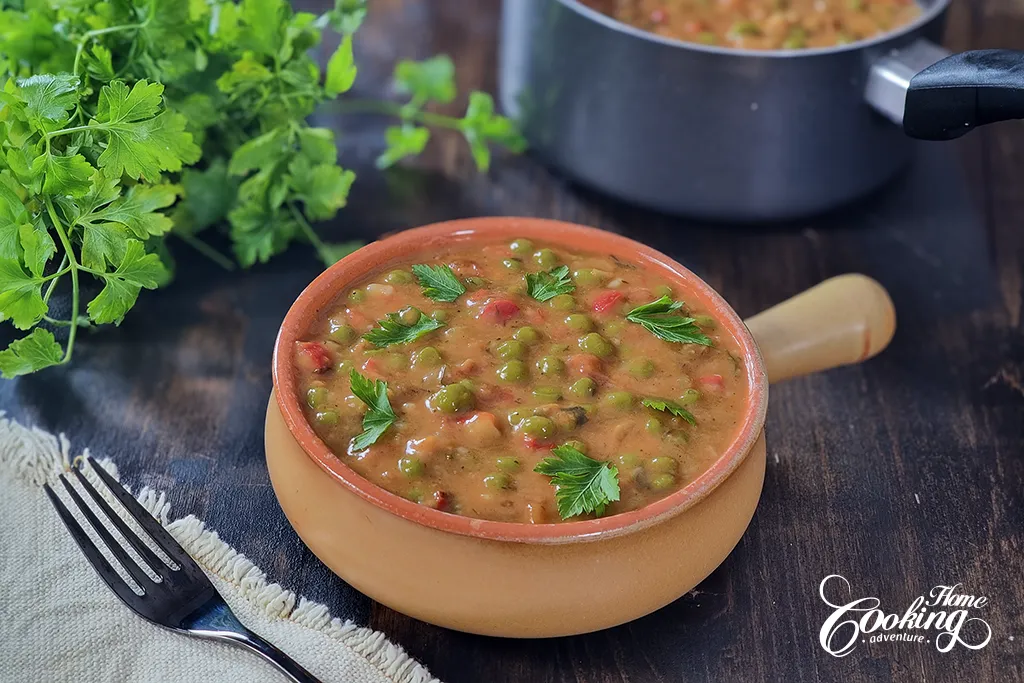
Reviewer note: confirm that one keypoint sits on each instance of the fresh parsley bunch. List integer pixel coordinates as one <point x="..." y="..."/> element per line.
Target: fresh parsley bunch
<point x="124" y="121"/>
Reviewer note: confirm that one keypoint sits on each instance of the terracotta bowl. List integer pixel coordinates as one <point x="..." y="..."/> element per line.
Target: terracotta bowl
<point x="523" y="580"/>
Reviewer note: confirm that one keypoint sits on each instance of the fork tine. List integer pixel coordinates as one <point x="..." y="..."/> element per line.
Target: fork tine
<point x="147" y="555"/>
<point x="148" y="523"/>
<point x="92" y="554"/>
<point x="113" y="546"/>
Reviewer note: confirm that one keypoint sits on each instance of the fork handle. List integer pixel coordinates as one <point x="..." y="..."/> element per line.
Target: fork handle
<point x="285" y="664"/>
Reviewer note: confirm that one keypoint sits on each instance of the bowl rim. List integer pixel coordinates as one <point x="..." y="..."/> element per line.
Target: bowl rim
<point x="928" y="14"/>
<point x="375" y="256"/>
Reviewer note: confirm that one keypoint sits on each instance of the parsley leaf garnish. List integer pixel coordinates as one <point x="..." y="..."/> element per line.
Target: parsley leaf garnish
<point x="543" y="286"/>
<point x="379" y="416"/>
<point x="394" y="331"/>
<point x="582" y="484"/>
<point x="439" y="282"/>
<point x="667" y="406"/>
<point x="660" y="317"/>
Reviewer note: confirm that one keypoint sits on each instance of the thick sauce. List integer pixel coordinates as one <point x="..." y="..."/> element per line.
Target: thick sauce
<point x="483" y="399"/>
<point x="762" y="24"/>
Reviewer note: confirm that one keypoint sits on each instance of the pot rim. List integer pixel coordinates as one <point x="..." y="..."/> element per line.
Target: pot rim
<point x="927" y="15"/>
<point x="329" y="284"/>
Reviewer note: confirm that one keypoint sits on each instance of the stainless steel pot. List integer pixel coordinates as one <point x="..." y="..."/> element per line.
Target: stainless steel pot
<point x="738" y="135"/>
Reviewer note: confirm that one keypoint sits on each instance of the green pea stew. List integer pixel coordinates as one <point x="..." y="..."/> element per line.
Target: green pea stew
<point x="522" y="382"/>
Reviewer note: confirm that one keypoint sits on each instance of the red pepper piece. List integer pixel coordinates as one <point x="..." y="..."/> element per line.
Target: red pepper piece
<point x="500" y="311"/>
<point x="605" y="302"/>
<point x="317" y="354"/>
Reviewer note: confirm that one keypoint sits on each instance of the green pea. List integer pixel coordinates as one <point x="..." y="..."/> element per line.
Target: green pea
<point x="745" y="28"/>
<point x="517" y="416"/>
<point x="340" y="331"/>
<point x="706" y="37"/>
<point x="547" y="394"/>
<point x="663" y="463"/>
<point x="558" y="348"/>
<point x="468" y="383"/>
<point x="538" y="427"/>
<point x="545" y="258"/>
<point x="551" y="365"/>
<point x="513" y="264"/>
<point x="498" y="480"/>
<point x="587" y="277"/>
<point x="439" y="315"/>
<point x="511" y="350"/>
<point x="579" y="322"/>
<point x="356" y="296"/>
<point x="653" y="425"/>
<point x="629" y="460"/>
<point x="473" y="283"/>
<point x="584" y="387"/>
<point x="641" y="368"/>
<point x="451" y="399"/>
<point x="344" y="368"/>
<point x="521" y="246"/>
<point x="596" y="344"/>
<point x="689" y="397"/>
<point x="856" y="5"/>
<point x="316" y="396"/>
<point x="614" y="328"/>
<point x="578" y="445"/>
<point x="507" y="464"/>
<point x="527" y="335"/>
<point x="513" y="371"/>
<point x="398" y="277"/>
<point x="327" y="417"/>
<point x="415" y="494"/>
<point x="620" y="400"/>
<point x="661" y="290"/>
<point x="663" y="481"/>
<point x="562" y="302"/>
<point x="411" y="467"/>
<point x="796" y="39"/>
<point x="409" y="315"/>
<point x="705" y="321"/>
<point x="427" y="357"/>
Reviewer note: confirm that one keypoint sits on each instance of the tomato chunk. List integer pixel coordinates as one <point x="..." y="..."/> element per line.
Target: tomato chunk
<point x="316" y="354"/>
<point x="585" y="364"/>
<point x="439" y="500"/>
<point x="537" y="444"/>
<point x="500" y="311"/>
<point x="606" y="301"/>
<point x="711" y="381"/>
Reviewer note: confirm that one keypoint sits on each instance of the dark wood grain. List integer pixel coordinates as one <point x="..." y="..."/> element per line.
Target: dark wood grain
<point x="900" y="474"/>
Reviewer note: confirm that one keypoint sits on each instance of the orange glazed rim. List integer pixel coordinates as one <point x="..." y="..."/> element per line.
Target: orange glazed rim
<point x="325" y="289"/>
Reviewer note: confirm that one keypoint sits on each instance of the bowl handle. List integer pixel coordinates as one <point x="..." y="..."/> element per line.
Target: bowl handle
<point x="844" y="320"/>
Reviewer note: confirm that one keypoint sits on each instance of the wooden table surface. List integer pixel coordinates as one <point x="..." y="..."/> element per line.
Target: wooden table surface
<point x="900" y="474"/>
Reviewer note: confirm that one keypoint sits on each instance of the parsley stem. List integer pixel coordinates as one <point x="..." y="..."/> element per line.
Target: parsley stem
<point x="74" y="129"/>
<point x="307" y="229"/>
<point x="73" y="265"/>
<point x="89" y="35"/>
<point x="388" y="108"/>
<point x="206" y="250"/>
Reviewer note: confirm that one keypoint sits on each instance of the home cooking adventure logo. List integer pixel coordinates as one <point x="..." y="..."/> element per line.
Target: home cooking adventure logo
<point x="943" y="616"/>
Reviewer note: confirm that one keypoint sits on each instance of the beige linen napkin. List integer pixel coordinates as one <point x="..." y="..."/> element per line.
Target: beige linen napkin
<point x="60" y="623"/>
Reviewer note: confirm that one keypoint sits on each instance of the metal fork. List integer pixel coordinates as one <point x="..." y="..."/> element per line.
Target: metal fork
<point x="183" y="600"/>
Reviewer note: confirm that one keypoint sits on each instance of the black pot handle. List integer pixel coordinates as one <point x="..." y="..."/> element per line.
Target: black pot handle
<point x="965" y="90"/>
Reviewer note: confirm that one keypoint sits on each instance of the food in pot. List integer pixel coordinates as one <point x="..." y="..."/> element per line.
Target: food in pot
<point x="521" y="382"/>
<point x="762" y="24"/>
